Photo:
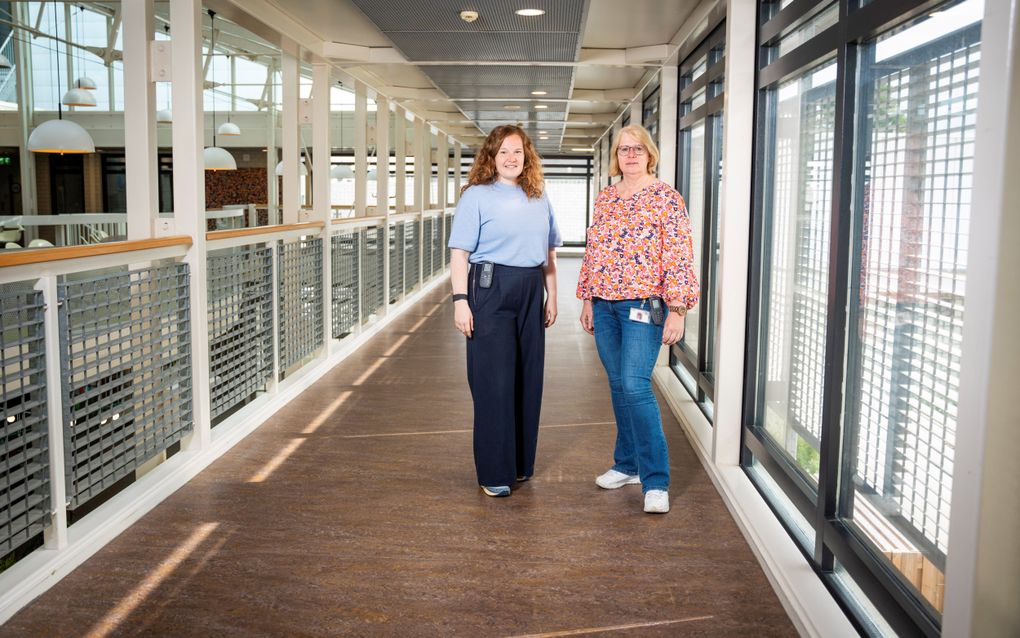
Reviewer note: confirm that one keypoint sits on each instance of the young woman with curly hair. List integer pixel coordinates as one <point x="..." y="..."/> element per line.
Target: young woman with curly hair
<point x="503" y="270"/>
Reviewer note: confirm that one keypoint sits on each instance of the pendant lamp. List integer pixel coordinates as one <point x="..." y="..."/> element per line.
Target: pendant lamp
<point x="341" y="171"/>
<point x="60" y="135"/>
<point x="302" y="168"/>
<point x="164" y="116"/>
<point x="4" y="62"/>
<point x="216" y="158"/>
<point x="78" y="97"/>
<point x="228" y="128"/>
<point x="85" y="82"/>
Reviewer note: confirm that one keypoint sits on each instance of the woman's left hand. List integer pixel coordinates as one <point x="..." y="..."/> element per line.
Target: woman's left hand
<point x="673" y="330"/>
<point x="550" y="312"/>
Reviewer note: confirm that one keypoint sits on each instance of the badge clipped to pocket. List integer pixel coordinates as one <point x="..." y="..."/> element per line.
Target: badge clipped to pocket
<point x="640" y="315"/>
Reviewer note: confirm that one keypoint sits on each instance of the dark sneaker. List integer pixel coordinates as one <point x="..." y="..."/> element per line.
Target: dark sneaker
<point x="496" y="490"/>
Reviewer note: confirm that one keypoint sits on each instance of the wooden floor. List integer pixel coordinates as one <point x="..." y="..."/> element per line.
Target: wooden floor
<point x="354" y="511"/>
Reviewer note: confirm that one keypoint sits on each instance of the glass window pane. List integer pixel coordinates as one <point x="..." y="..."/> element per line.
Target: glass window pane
<point x="917" y="152"/>
<point x="796" y="256"/>
<point x="809" y="29"/>
<point x="695" y="199"/>
<point x="708" y="305"/>
<point x="803" y="531"/>
<point x="568" y="196"/>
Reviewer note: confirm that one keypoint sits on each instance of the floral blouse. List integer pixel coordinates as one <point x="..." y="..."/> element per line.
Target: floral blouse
<point x="639" y="247"/>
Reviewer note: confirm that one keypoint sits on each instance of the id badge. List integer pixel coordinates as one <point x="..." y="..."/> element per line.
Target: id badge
<point x="640" y="315"/>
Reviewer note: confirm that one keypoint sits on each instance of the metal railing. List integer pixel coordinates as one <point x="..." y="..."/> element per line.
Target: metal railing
<point x="104" y="361"/>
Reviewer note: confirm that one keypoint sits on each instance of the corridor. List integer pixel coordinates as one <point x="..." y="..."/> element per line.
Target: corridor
<point x="354" y="512"/>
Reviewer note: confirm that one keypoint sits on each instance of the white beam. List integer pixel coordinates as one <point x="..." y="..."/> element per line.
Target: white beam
<point x="400" y="154"/>
<point x="321" y="210"/>
<point x="360" y="148"/>
<point x="342" y="52"/>
<point x="382" y="155"/>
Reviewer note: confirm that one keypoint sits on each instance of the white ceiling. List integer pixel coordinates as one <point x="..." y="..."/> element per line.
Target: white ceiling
<point x="603" y="29"/>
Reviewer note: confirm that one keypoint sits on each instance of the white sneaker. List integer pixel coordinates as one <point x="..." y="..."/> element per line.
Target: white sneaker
<point x="656" y="501"/>
<point x="612" y="480"/>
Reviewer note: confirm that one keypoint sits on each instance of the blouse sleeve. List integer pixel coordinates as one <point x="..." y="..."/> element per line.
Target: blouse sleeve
<point x="584" y="280"/>
<point x="679" y="281"/>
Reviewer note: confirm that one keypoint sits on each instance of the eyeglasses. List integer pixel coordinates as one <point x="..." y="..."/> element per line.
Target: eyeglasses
<point x="625" y="150"/>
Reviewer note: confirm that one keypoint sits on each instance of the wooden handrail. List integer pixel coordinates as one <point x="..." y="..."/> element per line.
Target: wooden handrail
<point x="59" y="253"/>
<point x="262" y="230"/>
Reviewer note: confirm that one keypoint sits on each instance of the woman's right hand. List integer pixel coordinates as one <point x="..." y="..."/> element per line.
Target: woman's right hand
<point x="587" y="318"/>
<point x="463" y="318"/>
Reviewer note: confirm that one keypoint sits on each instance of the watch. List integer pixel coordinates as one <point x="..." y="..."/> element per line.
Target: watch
<point x="459" y="297"/>
<point x="680" y="310"/>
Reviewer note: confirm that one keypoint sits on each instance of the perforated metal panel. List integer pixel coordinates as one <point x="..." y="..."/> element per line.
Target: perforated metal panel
<point x="447" y="230"/>
<point x="346" y="296"/>
<point x="435" y="238"/>
<point x="24" y="445"/>
<point x="453" y="76"/>
<point x="240" y="325"/>
<point x="373" y="295"/>
<point x="300" y="300"/>
<point x="412" y="255"/>
<point x="494" y="15"/>
<point x="396" y="242"/>
<point x="125" y="338"/>
<point x="487" y="47"/>
<point x="426" y="246"/>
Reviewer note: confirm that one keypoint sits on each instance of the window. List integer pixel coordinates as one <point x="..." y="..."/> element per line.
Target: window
<point x="698" y="178"/>
<point x="863" y="182"/>
<point x="568" y="185"/>
<point x="650" y="112"/>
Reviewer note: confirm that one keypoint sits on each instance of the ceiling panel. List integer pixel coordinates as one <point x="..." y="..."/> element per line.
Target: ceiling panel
<point x="507" y="91"/>
<point x="493" y="15"/>
<point x="486" y="47"/>
<point x="455" y="75"/>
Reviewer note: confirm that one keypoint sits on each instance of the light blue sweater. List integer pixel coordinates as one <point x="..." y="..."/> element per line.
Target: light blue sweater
<point x="498" y="223"/>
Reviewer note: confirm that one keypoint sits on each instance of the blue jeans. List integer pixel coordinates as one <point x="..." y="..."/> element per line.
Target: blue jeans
<point x="628" y="350"/>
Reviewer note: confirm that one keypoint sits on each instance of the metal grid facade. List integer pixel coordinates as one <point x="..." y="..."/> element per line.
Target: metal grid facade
<point x="435" y="239"/>
<point x="914" y="257"/>
<point x="346" y="297"/>
<point x="240" y="325"/>
<point x="125" y="340"/>
<point x="427" y="247"/>
<point x="24" y="444"/>
<point x="373" y="291"/>
<point x="300" y="300"/>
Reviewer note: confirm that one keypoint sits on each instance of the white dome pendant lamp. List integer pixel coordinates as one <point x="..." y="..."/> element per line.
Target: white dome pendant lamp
<point x="60" y="135"/>
<point x="216" y="158"/>
<point x="228" y="127"/>
<point x="81" y="93"/>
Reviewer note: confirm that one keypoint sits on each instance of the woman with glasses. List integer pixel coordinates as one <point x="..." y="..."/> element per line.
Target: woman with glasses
<point x="502" y="267"/>
<point x="637" y="283"/>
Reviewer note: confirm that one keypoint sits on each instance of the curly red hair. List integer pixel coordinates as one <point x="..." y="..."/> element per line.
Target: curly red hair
<point x="483" y="171"/>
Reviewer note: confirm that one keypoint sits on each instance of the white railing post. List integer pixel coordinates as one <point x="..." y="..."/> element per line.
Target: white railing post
<point x="189" y="195"/>
<point x="321" y="152"/>
<point x="56" y="534"/>
<point x="291" y="151"/>
<point x="360" y="149"/>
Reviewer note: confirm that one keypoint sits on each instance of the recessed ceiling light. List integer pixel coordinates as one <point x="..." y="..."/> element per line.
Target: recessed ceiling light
<point x="539" y="92"/>
<point x="530" y="12"/>
<point x="541" y="106"/>
<point x="543" y="137"/>
<point x="512" y="107"/>
<point x="582" y="150"/>
<point x="543" y="132"/>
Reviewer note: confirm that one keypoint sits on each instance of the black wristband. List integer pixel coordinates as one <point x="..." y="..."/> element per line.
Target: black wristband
<point x="459" y="297"/>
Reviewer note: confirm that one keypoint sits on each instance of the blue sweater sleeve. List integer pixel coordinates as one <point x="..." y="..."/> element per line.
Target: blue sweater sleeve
<point x="555" y="239"/>
<point x="467" y="222"/>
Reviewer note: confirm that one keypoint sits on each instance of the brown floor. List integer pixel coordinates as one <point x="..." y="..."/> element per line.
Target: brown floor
<point x="374" y="526"/>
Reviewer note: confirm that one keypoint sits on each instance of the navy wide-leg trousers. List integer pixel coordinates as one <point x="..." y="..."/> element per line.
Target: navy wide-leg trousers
<point x="505" y="363"/>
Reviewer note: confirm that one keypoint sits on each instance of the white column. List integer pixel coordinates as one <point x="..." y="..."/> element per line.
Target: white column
<point x="400" y="156"/>
<point x="382" y="155"/>
<point x="139" y="121"/>
<point x="635" y="110"/>
<point x="421" y="165"/>
<point x="982" y="563"/>
<point x="291" y="149"/>
<point x="457" y="172"/>
<point x="443" y="156"/>
<point x="26" y="111"/>
<point x="189" y="194"/>
<point x="360" y="148"/>
<point x="272" y="181"/>
<point x="668" y="84"/>
<point x="322" y="149"/>
<point x="734" y="230"/>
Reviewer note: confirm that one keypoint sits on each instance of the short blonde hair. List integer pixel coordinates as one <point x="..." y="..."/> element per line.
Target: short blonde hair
<point x="642" y="135"/>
